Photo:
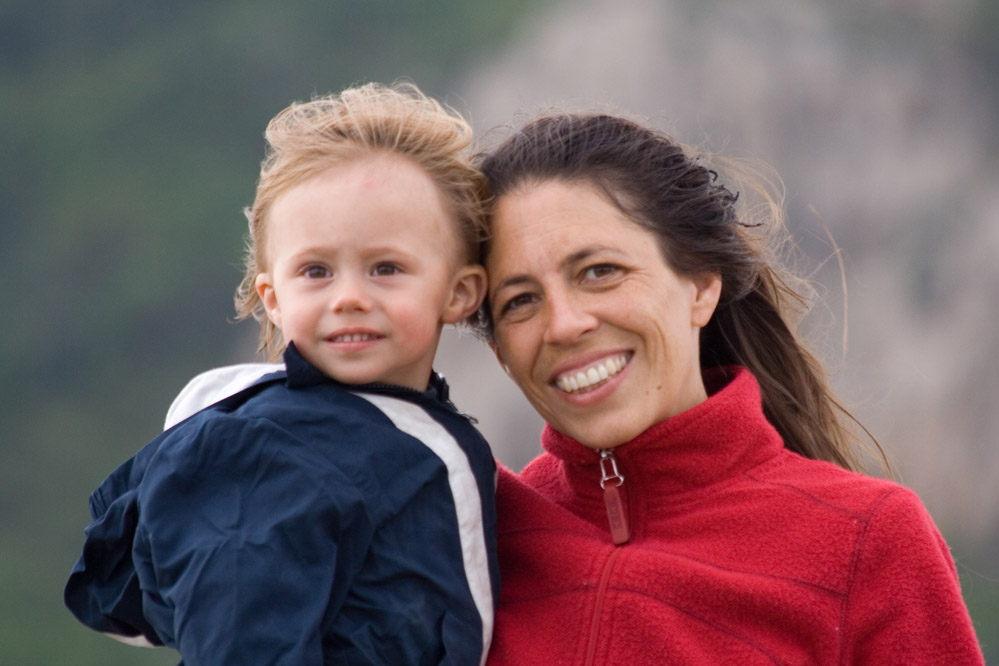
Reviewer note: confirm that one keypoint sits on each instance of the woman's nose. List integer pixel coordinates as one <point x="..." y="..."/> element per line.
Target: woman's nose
<point x="350" y="295"/>
<point x="568" y="319"/>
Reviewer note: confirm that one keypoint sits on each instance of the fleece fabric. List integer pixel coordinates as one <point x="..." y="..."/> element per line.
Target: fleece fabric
<point x="740" y="552"/>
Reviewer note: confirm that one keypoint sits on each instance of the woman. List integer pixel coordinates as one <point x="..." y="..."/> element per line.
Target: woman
<point x="694" y="504"/>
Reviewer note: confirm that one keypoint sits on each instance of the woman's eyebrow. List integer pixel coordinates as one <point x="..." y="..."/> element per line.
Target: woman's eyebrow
<point x="513" y="281"/>
<point x="579" y="255"/>
<point x="574" y="258"/>
<point x="586" y="252"/>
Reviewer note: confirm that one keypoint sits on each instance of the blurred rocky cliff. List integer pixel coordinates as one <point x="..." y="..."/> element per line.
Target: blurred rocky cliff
<point x="882" y="120"/>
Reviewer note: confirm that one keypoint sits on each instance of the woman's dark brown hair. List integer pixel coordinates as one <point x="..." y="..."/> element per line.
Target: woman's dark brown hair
<point x="657" y="184"/>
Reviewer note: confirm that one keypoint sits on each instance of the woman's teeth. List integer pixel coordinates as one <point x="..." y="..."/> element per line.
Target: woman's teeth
<point x="591" y="376"/>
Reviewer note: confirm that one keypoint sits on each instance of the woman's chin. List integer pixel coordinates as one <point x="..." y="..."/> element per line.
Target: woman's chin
<point x="605" y="431"/>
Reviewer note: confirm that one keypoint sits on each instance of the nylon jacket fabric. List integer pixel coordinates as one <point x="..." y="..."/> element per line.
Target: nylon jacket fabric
<point x="298" y="522"/>
<point x="741" y="553"/>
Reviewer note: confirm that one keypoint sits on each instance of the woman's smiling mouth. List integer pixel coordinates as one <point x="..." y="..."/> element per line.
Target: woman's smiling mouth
<point x="593" y="375"/>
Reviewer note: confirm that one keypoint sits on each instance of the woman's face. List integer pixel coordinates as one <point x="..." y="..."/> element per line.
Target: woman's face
<point x="595" y="328"/>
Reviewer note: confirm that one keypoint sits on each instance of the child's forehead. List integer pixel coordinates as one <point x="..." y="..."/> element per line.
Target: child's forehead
<point x="370" y="168"/>
<point x="385" y="191"/>
<point x="375" y="174"/>
<point x="359" y="218"/>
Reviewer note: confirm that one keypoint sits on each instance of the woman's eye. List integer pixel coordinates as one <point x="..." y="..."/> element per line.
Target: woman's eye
<point x="385" y="269"/>
<point x="517" y="302"/>
<point x="599" y="271"/>
<point x="316" y="272"/>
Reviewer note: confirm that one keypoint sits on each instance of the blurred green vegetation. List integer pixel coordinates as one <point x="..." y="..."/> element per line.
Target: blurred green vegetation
<point x="982" y="598"/>
<point x="132" y="134"/>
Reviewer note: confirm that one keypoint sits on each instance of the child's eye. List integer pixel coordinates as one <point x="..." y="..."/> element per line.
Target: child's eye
<point x="386" y="268"/>
<point x="316" y="272"/>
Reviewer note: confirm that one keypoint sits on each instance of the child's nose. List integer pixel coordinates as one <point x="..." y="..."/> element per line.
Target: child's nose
<point x="351" y="295"/>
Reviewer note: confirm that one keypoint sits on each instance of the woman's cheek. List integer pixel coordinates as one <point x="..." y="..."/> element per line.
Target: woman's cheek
<point x="512" y="353"/>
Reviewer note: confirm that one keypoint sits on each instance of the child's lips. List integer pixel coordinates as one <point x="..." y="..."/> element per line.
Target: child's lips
<point x="353" y="337"/>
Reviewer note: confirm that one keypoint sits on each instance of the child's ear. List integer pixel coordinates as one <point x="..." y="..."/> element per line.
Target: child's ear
<point x="265" y="290"/>
<point x="468" y="288"/>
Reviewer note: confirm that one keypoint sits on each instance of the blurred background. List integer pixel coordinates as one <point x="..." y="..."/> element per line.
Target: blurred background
<point x="131" y="134"/>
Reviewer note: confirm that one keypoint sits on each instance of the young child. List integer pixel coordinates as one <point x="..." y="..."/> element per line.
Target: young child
<point x="340" y="509"/>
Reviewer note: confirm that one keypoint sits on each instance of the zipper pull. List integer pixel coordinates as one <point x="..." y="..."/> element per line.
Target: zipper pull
<point x="616" y="515"/>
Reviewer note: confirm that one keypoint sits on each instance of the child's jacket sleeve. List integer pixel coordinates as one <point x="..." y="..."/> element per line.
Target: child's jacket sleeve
<point x="237" y="541"/>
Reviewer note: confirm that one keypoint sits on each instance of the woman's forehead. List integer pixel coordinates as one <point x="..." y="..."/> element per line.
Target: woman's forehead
<point x="554" y="225"/>
<point x="583" y="210"/>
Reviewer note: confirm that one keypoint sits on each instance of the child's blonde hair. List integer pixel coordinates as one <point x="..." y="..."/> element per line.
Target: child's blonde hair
<point x="308" y="137"/>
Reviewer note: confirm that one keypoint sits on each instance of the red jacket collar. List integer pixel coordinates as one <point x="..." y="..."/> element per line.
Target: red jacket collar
<point x="723" y="436"/>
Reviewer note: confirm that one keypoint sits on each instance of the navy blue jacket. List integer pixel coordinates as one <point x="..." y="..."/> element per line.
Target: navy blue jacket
<point x="300" y="522"/>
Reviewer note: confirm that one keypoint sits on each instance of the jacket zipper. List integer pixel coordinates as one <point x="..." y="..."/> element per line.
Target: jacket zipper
<point x="610" y="480"/>
<point x="598" y="608"/>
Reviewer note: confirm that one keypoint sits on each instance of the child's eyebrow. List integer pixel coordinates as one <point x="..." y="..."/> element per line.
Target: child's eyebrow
<point x="332" y="248"/>
<point x="313" y="250"/>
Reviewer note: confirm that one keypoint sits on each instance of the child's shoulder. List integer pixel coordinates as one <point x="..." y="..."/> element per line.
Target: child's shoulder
<point x="216" y="384"/>
<point x="235" y="439"/>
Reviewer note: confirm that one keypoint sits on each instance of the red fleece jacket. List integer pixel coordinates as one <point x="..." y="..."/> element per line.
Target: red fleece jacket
<point x="740" y="552"/>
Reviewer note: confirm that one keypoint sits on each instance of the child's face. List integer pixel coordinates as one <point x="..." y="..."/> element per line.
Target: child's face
<point x="364" y="269"/>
